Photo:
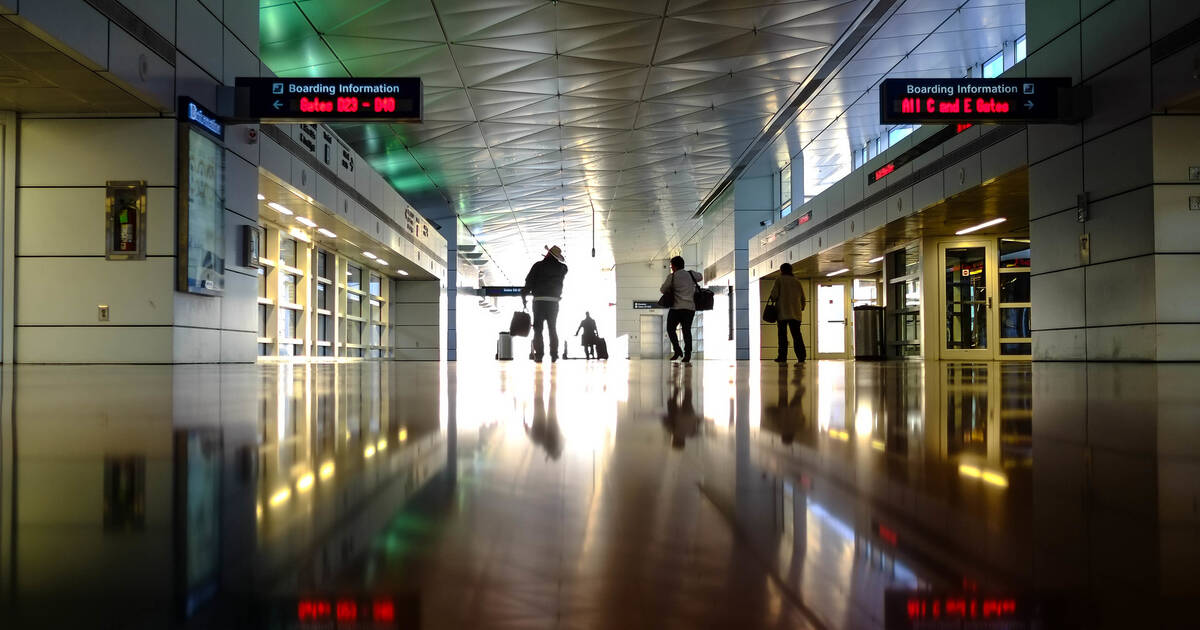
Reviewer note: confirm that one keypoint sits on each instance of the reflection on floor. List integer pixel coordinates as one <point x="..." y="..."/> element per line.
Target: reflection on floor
<point x="586" y="494"/>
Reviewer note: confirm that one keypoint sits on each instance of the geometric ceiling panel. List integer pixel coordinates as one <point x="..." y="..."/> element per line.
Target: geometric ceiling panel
<point x="544" y="118"/>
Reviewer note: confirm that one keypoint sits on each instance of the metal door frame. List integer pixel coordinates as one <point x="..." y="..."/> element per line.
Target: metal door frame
<point x="991" y="276"/>
<point x="847" y="295"/>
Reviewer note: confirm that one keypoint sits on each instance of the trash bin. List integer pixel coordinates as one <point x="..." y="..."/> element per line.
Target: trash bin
<point x="868" y="332"/>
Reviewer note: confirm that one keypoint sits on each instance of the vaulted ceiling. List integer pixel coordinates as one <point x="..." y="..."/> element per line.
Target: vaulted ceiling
<point x="545" y="120"/>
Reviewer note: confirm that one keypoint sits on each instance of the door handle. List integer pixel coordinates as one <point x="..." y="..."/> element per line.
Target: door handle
<point x="989" y="300"/>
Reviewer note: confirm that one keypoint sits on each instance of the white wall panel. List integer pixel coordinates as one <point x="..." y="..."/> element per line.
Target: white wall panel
<point x="275" y="159"/>
<point x="1118" y="161"/>
<point x="1004" y="156"/>
<point x="154" y="82"/>
<point x="74" y="23"/>
<point x="196" y="345"/>
<point x="1178" y="290"/>
<point x="141" y="344"/>
<point x="1121" y="343"/>
<point x="191" y="80"/>
<point x="137" y="292"/>
<point x="1052" y="231"/>
<point x="198" y="310"/>
<point x="1121" y="226"/>
<point x="89" y="151"/>
<point x="1058" y="298"/>
<point x="1176" y="228"/>
<point x="44" y="212"/>
<point x="237" y="60"/>
<point x="1054" y="183"/>
<point x="1121" y="292"/>
<point x="201" y="36"/>
<point x="961" y="176"/>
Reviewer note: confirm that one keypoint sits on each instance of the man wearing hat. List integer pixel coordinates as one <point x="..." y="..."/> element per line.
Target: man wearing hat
<point x="545" y="281"/>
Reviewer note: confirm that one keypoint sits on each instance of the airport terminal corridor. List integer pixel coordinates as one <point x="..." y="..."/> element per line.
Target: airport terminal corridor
<point x="587" y="494"/>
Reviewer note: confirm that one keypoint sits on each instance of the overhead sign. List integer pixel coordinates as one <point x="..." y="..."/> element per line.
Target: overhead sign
<point x="645" y="304"/>
<point x="933" y="101"/>
<point x="329" y="100"/>
<point x="490" y="291"/>
<point x="205" y="119"/>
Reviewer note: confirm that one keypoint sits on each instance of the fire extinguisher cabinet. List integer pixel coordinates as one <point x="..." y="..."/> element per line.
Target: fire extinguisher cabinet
<point x="125" y="220"/>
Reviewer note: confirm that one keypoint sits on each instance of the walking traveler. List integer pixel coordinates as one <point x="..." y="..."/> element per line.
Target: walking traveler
<point x="680" y="286"/>
<point x="788" y="295"/>
<point x="588" y="326"/>
<point x="545" y="282"/>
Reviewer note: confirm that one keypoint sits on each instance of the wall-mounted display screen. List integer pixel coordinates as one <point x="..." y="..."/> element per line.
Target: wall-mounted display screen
<point x="201" y="247"/>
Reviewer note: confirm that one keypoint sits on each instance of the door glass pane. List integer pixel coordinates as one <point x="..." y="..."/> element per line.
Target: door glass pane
<point x="1014" y="287"/>
<point x="966" y="298"/>
<point x="1014" y="253"/>
<point x="1014" y="323"/>
<point x="1016" y="348"/>
<point x="831" y="318"/>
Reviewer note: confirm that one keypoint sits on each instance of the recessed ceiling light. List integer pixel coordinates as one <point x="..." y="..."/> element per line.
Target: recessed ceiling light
<point x="307" y="221"/>
<point x="260" y="197"/>
<point x="981" y="226"/>
<point x="369" y="255"/>
<point x="837" y="273"/>
<point x="381" y="261"/>
<point x="280" y="209"/>
<point x="402" y="272"/>
<point x="875" y="260"/>
<point x="327" y="233"/>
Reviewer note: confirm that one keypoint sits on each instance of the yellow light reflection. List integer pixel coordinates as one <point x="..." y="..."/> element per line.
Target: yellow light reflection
<point x="381" y="445"/>
<point x="304" y="483"/>
<point x="402" y="435"/>
<point x="280" y="497"/>
<point x="995" y="479"/>
<point x="369" y="452"/>
<point x="839" y="434"/>
<point x="969" y="471"/>
<point x="258" y="511"/>
<point x="326" y="470"/>
<point x="877" y="445"/>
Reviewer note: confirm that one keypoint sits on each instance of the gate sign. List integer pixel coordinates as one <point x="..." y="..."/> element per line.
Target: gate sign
<point x="329" y="100"/>
<point x="934" y="101"/>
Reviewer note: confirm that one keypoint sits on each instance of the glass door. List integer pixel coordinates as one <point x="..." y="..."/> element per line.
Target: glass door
<point x="833" y="333"/>
<point x="966" y="297"/>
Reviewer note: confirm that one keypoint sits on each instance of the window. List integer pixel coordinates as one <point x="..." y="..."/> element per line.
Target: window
<point x="287" y="252"/>
<point x="354" y="277"/>
<point x="264" y="315"/>
<point x="262" y="282"/>
<point x="993" y="67"/>
<point x="376" y="284"/>
<point x="288" y="293"/>
<point x="353" y="305"/>
<point x="323" y="264"/>
<point x="1020" y="48"/>
<point x="376" y="310"/>
<point x="354" y="333"/>
<point x="899" y="133"/>
<point x="785" y="190"/>
<point x="322" y="328"/>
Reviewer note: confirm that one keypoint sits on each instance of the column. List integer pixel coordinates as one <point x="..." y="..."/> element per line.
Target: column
<point x="1116" y="250"/>
<point x="755" y="200"/>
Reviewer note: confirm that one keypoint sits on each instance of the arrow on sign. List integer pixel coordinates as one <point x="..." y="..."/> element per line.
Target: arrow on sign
<point x="278" y="104"/>
<point x="1028" y="104"/>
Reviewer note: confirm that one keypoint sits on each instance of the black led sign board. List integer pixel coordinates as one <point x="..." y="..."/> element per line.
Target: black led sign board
<point x="934" y="101"/>
<point x="329" y="100"/>
<point x="498" y="291"/>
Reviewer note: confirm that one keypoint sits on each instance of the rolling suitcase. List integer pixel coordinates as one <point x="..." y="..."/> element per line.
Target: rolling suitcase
<point x="504" y="346"/>
<point x="601" y="348"/>
<point x="521" y="324"/>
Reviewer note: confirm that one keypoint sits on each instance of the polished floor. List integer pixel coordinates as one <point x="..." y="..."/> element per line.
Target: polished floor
<point x="633" y="494"/>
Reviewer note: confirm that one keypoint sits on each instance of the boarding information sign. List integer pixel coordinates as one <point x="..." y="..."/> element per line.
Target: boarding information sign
<point x="387" y="99"/>
<point x="934" y="101"/>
